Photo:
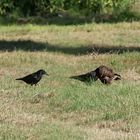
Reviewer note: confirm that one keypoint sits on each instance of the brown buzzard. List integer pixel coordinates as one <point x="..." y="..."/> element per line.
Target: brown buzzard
<point x="104" y="73"/>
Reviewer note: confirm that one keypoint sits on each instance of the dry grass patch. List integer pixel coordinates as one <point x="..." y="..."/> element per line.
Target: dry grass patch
<point x="131" y="75"/>
<point x="107" y="134"/>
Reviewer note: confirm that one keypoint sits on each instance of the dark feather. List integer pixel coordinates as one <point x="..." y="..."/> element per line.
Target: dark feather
<point x="104" y="73"/>
<point x="87" y="77"/>
<point x="33" y="78"/>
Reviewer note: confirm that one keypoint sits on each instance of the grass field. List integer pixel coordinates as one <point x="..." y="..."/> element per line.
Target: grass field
<point x="59" y="108"/>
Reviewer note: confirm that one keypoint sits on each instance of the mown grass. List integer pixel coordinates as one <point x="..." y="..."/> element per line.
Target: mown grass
<point x="62" y="108"/>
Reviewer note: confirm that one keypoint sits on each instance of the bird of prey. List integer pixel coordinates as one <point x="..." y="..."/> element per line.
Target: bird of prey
<point x="33" y="78"/>
<point x="104" y="73"/>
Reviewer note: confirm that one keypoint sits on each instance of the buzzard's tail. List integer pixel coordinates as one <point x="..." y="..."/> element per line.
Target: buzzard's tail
<point x="117" y="76"/>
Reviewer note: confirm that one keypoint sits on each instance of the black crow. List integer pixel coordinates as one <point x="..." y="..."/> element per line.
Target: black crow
<point x="33" y="78"/>
<point x="87" y="77"/>
<point x="104" y="73"/>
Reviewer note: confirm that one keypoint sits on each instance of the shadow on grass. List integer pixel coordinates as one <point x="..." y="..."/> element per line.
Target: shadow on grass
<point x="51" y="20"/>
<point x="67" y="19"/>
<point x="28" y="45"/>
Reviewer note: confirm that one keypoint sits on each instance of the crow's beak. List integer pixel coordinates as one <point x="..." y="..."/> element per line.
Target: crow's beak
<point x="47" y="74"/>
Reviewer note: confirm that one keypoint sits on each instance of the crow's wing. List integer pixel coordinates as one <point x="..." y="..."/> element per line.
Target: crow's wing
<point x="30" y="79"/>
<point x="87" y="77"/>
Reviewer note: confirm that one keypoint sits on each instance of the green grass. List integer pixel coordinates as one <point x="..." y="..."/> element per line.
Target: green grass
<point x="62" y="108"/>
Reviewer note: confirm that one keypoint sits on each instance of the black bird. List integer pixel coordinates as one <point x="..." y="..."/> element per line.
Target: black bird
<point x="104" y="73"/>
<point x="87" y="77"/>
<point x="33" y="78"/>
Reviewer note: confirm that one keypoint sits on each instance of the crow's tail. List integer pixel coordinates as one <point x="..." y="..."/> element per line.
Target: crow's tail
<point x="18" y="79"/>
<point x="76" y="77"/>
<point x="82" y="77"/>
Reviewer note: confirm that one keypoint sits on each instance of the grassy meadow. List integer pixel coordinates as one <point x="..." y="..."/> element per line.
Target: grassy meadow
<point x="59" y="108"/>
